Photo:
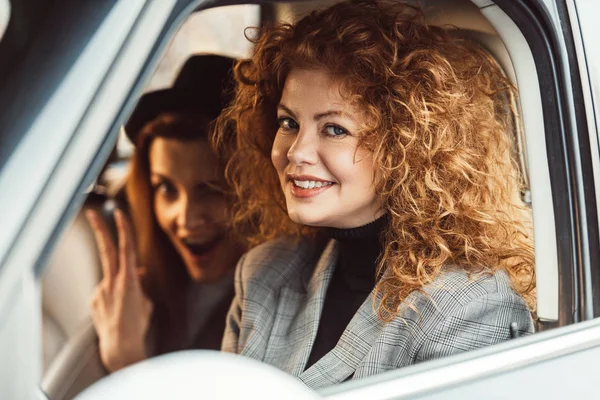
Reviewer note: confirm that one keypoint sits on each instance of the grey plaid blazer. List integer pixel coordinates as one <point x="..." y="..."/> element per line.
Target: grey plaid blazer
<point x="280" y="288"/>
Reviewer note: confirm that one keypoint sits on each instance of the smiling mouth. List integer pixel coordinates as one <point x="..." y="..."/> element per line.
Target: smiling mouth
<point x="201" y="249"/>
<point x="305" y="187"/>
<point x="308" y="184"/>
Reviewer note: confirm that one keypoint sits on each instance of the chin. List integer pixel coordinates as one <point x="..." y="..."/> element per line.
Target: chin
<point x="307" y="219"/>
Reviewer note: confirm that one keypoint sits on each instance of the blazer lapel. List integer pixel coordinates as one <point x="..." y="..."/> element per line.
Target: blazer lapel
<point x="354" y="345"/>
<point x="297" y="317"/>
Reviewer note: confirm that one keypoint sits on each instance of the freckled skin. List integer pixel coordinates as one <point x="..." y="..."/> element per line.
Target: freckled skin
<point x="312" y="114"/>
<point x="189" y="205"/>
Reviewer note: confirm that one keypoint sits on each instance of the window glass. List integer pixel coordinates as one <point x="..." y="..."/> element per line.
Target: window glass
<point x="214" y="31"/>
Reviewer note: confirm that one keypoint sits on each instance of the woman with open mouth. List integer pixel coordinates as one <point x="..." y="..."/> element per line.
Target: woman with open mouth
<point x="168" y="281"/>
<point x="374" y="153"/>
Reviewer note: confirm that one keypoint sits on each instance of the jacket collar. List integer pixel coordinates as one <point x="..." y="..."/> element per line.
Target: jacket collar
<point x="353" y="346"/>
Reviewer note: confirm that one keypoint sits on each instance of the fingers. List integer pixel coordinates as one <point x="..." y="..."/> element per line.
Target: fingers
<point x="97" y="305"/>
<point x="127" y="248"/>
<point x="106" y="247"/>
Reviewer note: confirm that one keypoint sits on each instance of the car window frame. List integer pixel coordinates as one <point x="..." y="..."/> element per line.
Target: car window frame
<point x="70" y="205"/>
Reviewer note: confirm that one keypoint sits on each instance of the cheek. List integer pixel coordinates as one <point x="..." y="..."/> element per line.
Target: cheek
<point x="217" y="210"/>
<point x="279" y="153"/>
<point x="365" y="166"/>
<point x="349" y="166"/>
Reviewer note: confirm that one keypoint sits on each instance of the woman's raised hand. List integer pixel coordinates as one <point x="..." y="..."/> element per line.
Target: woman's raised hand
<point x="120" y="309"/>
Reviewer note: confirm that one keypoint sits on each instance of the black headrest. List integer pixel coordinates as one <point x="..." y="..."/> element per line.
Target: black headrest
<point x="203" y="86"/>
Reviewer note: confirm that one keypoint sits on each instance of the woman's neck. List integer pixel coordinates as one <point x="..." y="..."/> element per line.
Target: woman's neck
<point x="360" y="249"/>
<point x="370" y="229"/>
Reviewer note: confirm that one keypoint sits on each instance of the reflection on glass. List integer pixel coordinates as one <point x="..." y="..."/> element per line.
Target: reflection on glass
<point x="214" y="31"/>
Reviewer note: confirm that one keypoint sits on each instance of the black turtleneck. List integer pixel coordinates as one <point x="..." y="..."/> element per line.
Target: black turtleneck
<point x="352" y="281"/>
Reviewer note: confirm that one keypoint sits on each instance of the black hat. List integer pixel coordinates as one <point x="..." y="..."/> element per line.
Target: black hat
<point x="203" y="86"/>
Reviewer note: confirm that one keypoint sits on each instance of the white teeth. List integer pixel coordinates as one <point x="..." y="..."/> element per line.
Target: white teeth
<point x="302" y="184"/>
<point x="310" y="184"/>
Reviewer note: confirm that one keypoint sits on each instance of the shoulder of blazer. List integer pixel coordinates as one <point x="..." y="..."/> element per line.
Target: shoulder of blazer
<point x="281" y="261"/>
<point x="455" y="288"/>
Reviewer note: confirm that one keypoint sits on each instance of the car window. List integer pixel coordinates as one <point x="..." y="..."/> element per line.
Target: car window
<point x="221" y="31"/>
<point x="4" y="16"/>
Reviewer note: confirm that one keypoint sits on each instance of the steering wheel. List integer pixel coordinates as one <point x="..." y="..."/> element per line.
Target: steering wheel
<point x="199" y="375"/>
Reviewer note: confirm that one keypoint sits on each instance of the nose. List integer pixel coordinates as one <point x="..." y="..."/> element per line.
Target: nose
<point x="192" y="214"/>
<point x="304" y="148"/>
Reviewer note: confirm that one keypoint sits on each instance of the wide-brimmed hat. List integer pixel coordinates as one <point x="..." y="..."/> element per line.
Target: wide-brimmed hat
<point x="203" y="87"/>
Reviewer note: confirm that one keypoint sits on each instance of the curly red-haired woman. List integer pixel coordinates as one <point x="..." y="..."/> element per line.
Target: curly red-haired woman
<point x="373" y="163"/>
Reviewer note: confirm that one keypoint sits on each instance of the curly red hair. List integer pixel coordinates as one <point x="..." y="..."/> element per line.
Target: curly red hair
<point x="436" y="119"/>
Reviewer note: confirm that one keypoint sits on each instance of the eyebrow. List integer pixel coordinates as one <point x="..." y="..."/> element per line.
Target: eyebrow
<point x="317" y="117"/>
<point x="213" y="183"/>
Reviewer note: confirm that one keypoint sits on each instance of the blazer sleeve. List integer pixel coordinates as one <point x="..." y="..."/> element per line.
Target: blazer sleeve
<point x="233" y="321"/>
<point x="482" y="321"/>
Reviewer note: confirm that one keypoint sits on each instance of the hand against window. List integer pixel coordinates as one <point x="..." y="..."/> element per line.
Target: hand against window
<point x="120" y="309"/>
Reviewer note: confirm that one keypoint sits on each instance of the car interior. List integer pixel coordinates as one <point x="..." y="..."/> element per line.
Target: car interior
<point x="70" y="350"/>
